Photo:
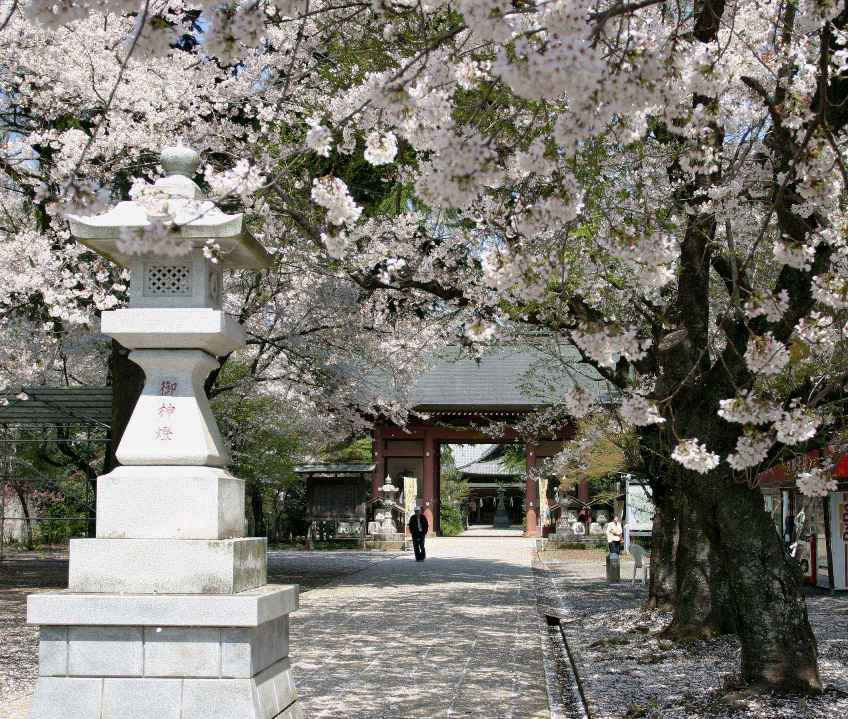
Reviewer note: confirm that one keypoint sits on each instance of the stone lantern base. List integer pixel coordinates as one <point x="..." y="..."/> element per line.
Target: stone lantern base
<point x="135" y="656"/>
<point x="387" y="542"/>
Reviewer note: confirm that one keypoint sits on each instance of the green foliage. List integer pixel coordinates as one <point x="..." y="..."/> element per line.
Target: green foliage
<point x="604" y="488"/>
<point x="452" y="522"/>
<point x="50" y="483"/>
<point x="514" y="458"/>
<point x="67" y="509"/>
<point x="454" y="493"/>
<point x="265" y="449"/>
<point x="355" y="451"/>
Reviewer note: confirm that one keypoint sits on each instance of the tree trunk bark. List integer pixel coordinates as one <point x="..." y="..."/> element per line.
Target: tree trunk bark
<point x="761" y="584"/>
<point x="22" y="498"/>
<point x="663" y="582"/>
<point x="258" y="513"/>
<point x="127" y="380"/>
<point x="702" y="609"/>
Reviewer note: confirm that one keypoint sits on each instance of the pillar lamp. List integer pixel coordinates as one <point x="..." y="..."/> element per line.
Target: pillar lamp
<point x="167" y="613"/>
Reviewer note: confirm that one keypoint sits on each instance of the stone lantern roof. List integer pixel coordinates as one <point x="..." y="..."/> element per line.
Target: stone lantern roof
<point x="194" y="218"/>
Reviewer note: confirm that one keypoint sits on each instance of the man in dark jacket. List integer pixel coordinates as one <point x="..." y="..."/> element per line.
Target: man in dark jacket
<point x="418" y="527"/>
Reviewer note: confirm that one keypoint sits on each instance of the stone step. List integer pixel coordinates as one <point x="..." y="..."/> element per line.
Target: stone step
<point x="270" y="694"/>
<point x="167" y="566"/>
<point x="245" y="609"/>
<point x="153" y="503"/>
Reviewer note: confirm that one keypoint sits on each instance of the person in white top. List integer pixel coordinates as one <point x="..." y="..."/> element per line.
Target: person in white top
<point x="614" y="534"/>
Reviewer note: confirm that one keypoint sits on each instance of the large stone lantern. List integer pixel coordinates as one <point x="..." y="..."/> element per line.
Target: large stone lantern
<point x="168" y="614"/>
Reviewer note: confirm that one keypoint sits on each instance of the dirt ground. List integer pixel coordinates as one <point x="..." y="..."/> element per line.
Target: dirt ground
<point x="630" y="671"/>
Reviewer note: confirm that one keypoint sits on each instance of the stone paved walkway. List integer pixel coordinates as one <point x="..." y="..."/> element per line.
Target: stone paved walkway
<point x="454" y="636"/>
<point x="377" y="636"/>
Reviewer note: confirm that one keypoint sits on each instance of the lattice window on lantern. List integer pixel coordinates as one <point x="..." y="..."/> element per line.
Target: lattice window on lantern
<point x="167" y="280"/>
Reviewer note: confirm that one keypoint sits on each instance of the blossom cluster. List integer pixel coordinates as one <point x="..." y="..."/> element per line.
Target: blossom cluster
<point x="695" y="456"/>
<point x="817" y="482"/>
<point x="559" y="161"/>
<point x="332" y="194"/>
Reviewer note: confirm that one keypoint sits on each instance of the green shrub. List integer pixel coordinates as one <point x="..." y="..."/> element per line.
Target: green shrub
<point x="451" y="521"/>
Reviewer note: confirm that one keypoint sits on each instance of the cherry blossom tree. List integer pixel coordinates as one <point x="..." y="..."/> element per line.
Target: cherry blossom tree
<point x="84" y="121"/>
<point x="660" y="186"/>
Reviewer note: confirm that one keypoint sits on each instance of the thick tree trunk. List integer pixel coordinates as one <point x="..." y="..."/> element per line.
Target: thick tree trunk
<point x="763" y="587"/>
<point x="91" y="506"/>
<point x="663" y="582"/>
<point x="22" y="498"/>
<point x="701" y="602"/>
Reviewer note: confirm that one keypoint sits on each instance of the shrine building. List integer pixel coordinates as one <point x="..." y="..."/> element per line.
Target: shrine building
<point x="462" y="401"/>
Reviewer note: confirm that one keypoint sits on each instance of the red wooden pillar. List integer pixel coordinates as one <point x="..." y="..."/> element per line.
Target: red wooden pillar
<point x="377" y="447"/>
<point x="583" y="490"/>
<point x="531" y="493"/>
<point x="428" y="481"/>
<point x="437" y="488"/>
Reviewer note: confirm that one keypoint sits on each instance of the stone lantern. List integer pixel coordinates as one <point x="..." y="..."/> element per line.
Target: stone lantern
<point x="168" y="613"/>
<point x="383" y="516"/>
<point x="383" y="532"/>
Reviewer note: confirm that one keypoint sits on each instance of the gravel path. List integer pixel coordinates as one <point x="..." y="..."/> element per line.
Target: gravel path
<point x="24" y="574"/>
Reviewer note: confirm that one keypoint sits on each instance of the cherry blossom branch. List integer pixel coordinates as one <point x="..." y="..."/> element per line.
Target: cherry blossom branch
<point x="601" y="18"/>
<point x="769" y="102"/>
<point x="9" y="16"/>
<point x="110" y="99"/>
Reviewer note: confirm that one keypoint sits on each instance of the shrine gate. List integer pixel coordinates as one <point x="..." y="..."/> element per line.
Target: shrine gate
<point x="467" y="401"/>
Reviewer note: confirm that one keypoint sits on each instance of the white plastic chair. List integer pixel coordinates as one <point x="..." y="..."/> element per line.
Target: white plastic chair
<point x="639" y="556"/>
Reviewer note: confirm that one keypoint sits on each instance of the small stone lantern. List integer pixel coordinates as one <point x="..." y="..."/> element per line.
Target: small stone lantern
<point x="168" y="613"/>
<point x="383" y="516"/>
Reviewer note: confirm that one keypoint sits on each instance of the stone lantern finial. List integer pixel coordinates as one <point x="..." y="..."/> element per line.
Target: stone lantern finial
<point x="179" y="160"/>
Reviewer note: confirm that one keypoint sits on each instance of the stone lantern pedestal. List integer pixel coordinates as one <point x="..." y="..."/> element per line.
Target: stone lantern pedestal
<point x="167" y="614"/>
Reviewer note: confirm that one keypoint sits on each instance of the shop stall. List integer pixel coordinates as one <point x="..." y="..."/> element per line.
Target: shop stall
<point x="807" y="525"/>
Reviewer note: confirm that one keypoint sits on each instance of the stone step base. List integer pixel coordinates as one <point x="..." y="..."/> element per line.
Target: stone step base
<point x="179" y="652"/>
<point x="167" y="566"/>
<point x="385" y="543"/>
<point x="164" y="656"/>
<point x="268" y="695"/>
<point x="170" y="503"/>
<point x="245" y="609"/>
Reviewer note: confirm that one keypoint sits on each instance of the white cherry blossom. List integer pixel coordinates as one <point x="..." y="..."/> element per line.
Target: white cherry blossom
<point x="751" y="449"/>
<point x="695" y="456"/>
<point x="766" y="355"/>
<point x="817" y="482"/>
<point x="319" y="139"/>
<point x="332" y="194"/>
<point x="640" y="411"/>
<point x="797" y="425"/>
<point x="380" y="148"/>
